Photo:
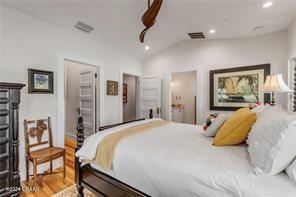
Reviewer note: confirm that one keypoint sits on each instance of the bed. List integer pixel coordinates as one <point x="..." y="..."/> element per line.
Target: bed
<point x="175" y="160"/>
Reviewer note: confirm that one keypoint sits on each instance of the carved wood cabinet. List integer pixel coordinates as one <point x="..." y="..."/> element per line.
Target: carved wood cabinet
<point x="9" y="139"/>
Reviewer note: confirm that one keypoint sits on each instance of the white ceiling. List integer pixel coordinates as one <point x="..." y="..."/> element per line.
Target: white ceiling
<point x="118" y="24"/>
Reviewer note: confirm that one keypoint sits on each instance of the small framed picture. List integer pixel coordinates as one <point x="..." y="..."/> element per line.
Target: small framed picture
<point x="112" y="88"/>
<point x="124" y="96"/>
<point x="40" y="81"/>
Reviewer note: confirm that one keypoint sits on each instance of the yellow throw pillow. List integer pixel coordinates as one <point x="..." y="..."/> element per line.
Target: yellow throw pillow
<point x="235" y="130"/>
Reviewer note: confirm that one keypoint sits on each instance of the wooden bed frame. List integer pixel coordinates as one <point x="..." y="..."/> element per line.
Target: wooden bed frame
<point x="96" y="181"/>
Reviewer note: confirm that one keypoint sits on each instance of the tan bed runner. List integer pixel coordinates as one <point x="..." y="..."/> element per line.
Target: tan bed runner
<point x="106" y="148"/>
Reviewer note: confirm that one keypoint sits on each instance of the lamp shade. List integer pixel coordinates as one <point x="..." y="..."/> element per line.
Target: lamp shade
<point x="275" y="83"/>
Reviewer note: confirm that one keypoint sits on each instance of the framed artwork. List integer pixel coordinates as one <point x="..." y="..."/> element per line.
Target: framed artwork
<point x="112" y="88"/>
<point x="234" y="88"/>
<point x="124" y="92"/>
<point x="40" y="81"/>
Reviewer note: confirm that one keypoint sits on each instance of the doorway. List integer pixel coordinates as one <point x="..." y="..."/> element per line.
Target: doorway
<point x="130" y="94"/>
<point x="80" y="97"/>
<point x="183" y="97"/>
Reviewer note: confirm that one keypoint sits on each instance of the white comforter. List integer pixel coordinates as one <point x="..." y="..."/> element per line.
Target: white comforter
<point x="178" y="160"/>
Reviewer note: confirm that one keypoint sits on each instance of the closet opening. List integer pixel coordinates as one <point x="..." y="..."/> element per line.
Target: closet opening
<point x="183" y="97"/>
<point x="130" y="94"/>
<point x="80" y="97"/>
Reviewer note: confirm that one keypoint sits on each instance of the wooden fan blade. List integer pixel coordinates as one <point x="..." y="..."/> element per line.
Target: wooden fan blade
<point x="142" y="35"/>
<point x="149" y="17"/>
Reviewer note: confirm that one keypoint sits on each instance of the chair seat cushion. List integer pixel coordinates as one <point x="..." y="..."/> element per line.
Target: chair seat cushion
<point x="46" y="152"/>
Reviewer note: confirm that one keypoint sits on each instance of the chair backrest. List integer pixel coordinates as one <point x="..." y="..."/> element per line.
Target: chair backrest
<point x="34" y="131"/>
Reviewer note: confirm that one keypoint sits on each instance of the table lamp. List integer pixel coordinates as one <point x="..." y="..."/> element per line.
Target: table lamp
<point x="275" y="84"/>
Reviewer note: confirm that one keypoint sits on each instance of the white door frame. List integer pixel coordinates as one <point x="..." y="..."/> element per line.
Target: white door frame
<point x="290" y="80"/>
<point x="120" y="91"/>
<point x="62" y="57"/>
<point x="199" y="85"/>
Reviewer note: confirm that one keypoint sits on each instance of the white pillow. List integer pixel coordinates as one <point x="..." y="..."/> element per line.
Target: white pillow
<point x="261" y="109"/>
<point x="291" y="171"/>
<point x="271" y="141"/>
<point x="212" y="130"/>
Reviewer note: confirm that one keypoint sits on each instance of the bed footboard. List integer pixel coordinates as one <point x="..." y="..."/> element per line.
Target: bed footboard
<point x="96" y="181"/>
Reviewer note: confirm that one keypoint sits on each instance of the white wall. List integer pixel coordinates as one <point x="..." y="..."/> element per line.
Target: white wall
<point x="130" y="108"/>
<point x="292" y="39"/>
<point x="184" y="92"/>
<point x="206" y="55"/>
<point x="27" y="42"/>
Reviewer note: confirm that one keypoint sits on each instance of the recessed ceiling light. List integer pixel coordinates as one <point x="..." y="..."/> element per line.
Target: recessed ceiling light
<point x="212" y="31"/>
<point x="267" y="4"/>
<point x="147" y="47"/>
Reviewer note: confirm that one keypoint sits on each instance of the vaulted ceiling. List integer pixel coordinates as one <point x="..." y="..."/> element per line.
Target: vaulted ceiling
<point x="117" y="23"/>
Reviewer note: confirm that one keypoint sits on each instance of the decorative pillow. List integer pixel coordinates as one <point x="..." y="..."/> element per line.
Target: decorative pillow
<point x="261" y="109"/>
<point x="235" y="130"/>
<point x="271" y="142"/>
<point x="291" y="171"/>
<point x="209" y="121"/>
<point x="212" y="125"/>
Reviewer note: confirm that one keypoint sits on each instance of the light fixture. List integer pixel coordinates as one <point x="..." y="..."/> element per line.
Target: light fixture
<point x="147" y="48"/>
<point x="275" y="84"/>
<point x="267" y="4"/>
<point x="149" y="17"/>
<point x="212" y="31"/>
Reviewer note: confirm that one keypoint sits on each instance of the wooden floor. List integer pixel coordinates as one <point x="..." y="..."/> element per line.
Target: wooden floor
<point x="52" y="183"/>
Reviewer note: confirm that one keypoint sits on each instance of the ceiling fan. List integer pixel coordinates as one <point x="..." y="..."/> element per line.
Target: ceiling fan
<point x="149" y="17"/>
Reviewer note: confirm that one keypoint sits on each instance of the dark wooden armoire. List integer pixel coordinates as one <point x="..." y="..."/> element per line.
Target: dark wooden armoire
<point x="9" y="138"/>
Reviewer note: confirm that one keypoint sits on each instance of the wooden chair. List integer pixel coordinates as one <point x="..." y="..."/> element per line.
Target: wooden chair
<point x="36" y="129"/>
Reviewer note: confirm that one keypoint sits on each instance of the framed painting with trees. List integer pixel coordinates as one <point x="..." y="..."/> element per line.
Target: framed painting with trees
<point x="234" y="88"/>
